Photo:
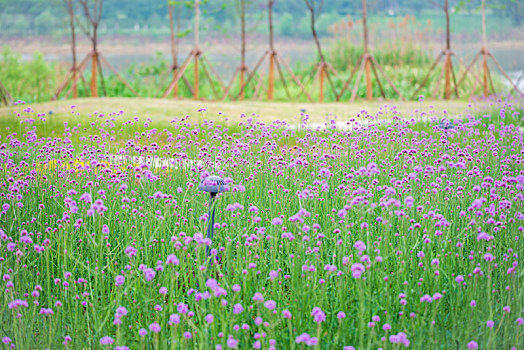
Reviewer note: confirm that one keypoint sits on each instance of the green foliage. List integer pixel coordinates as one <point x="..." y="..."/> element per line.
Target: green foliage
<point x="343" y="54"/>
<point x="29" y="80"/>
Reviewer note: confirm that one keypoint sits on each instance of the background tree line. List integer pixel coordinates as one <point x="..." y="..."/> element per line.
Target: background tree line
<point x="220" y="17"/>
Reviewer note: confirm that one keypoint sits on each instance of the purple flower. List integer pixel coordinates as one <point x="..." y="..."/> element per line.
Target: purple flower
<point x="357" y="269"/>
<point x="119" y="280"/>
<point x="182" y="308"/>
<point x="360" y="246"/>
<point x="341" y="315"/>
<point x="209" y="318"/>
<point x="473" y="345"/>
<point x="149" y="274"/>
<point x="174" y="319"/>
<point x="318" y="315"/>
<point x="121" y="311"/>
<point x="154" y="327"/>
<point x="142" y="332"/>
<point x="312" y="341"/>
<point x="302" y="338"/>
<point x="270" y="304"/>
<point x="232" y="343"/>
<point x="106" y="340"/>
<point x="258" y="297"/>
<point x="277" y="221"/>
<point x="172" y="259"/>
<point x="287" y="314"/>
<point x="237" y="308"/>
<point x="409" y="201"/>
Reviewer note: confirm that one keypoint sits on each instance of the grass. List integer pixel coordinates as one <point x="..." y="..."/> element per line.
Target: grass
<point x="163" y="110"/>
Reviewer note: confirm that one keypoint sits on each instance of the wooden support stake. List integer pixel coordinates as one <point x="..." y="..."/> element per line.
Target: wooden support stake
<point x="259" y="86"/>
<point x="375" y="63"/>
<point x="447" y="76"/>
<point x="252" y="73"/>
<point x="226" y="91"/>
<point x="179" y="74"/>
<point x="213" y="72"/>
<point x="195" y="73"/>
<point x="187" y="84"/>
<point x="436" y="89"/>
<point x="485" y="74"/>
<point x="293" y="76"/>
<point x="357" y="82"/>
<point x="6" y="97"/>
<point x="504" y="73"/>
<point x="79" y="69"/>
<point x="321" y="73"/>
<point x="376" y="77"/>
<point x="428" y="75"/>
<point x="282" y="79"/>
<point x="454" y="78"/>
<point x="468" y="68"/>
<point x="210" y="80"/>
<point x="491" y="83"/>
<point x="351" y="75"/>
<point x="271" y="78"/>
<point x="369" y="86"/>
<point x="108" y="65"/>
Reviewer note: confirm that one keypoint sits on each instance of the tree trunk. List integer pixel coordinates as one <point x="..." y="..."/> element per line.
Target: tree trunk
<point x="484" y="51"/>
<point x="195" y="67"/>
<point x="321" y="74"/>
<point x="173" y="47"/>
<point x="73" y="47"/>
<point x="271" y="75"/>
<point x="369" y="86"/>
<point x="367" y="60"/>
<point x="447" y="76"/>
<point x="271" y="78"/>
<point x="243" y="46"/>
<point x="197" y="49"/>
<point x="365" y="25"/>
<point x="448" y="35"/>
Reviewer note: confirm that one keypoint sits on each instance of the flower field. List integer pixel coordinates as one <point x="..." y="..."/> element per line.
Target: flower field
<point x="385" y="231"/>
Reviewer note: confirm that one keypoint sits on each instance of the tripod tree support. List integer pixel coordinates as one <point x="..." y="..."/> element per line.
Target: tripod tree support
<point x="198" y="59"/>
<point x="5" y="97"/>
<point x="93" y="16"/>
<point x="449" y="73"/>
<point x="322" y="71"/>
<point x="173" y="31"/>
<point x="367" y="64"/>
